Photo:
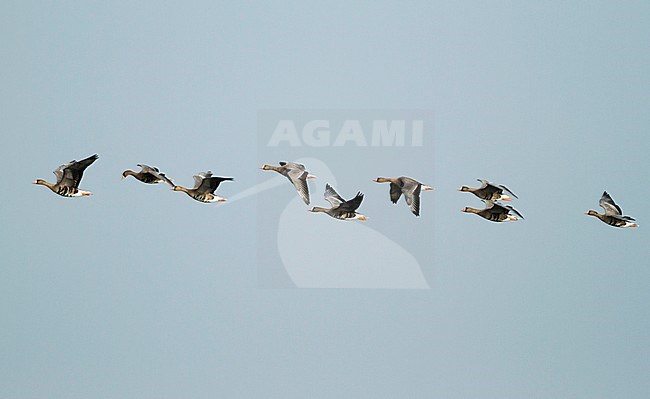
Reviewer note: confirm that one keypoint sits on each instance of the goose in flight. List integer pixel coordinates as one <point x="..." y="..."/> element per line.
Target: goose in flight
<point x="411" y="189"/>
<point x="204" y="187"/>
<point x="304" y="259"/>
<point x="296" y="174"/>
<point x="495" y="212"/>
<point x="489" y="191"/>
<point x="613" y="215"/>
<point x="68" y="177"/>
<point x="148" y="174"/>
<point x="341" y="209"/>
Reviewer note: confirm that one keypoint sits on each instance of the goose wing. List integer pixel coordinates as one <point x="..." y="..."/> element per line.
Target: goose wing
<point x="513" y="210"/>
<point x="165" y="179"/>
<point x="412" y="195"/>
<point x="395" y="192"/>
<point x="501" y="186"/>
<point x="626" y="218"/>
<point x="491" y="204"/>
<point x="210" y="184"/>
<point x="293" y="165"/>
<point x="488" y="187"/>
<point x="147" y="169"/>
<point x="332" y="196"/>
<point x="484" y="183"/>
<point x="351" y="205"/>
<point x="298" y="177"/>
<point x="152" y="170"/>
<point x="608" y="204"/>
<point x="70" y="174"/>
<point x="198" y="179"/>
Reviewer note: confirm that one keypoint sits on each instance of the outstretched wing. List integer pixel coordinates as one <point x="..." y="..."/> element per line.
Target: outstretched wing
<point x="412" y="196"/>
<point x="351" y="205"/>
<point x="395" y="192"/>
<point x="152" y="170"/>
<point x="501" y="186"/>
<point x="488" y="189"/>
<point x="484" y="183"/>
<point x="332" y="196"/>
<point x="513" y="210"/>
<point x="166" y="179"/>
<point x="198" y="179"/>
<point x="608" y="204"/>
<point x="210" y="184"/>
<point x="147" y="169"/>
<point x="298" y="177"/>
<point x="70" y="174"/>
<point x="58" y="172"/>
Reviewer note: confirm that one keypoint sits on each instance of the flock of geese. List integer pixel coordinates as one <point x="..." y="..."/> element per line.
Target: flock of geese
<point x="68" y="177"/>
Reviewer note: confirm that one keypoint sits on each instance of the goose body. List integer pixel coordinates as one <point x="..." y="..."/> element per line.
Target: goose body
<point x="148" y="174"/>
<point x="341" y="209"/>
<point x="613" y="215"/>
<point x="489" y="191"/>
<point x="495" y="212"/>
<point x="296" y="174"/>
<point x="68" y="177"/>
<point x="410" y="188"/>
<point x="204" y="187"/>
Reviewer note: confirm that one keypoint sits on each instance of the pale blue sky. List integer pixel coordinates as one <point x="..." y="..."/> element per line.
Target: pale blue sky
<point x="139" y="292"/>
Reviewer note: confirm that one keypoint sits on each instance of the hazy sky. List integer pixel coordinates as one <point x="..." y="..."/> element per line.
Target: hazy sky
<point x="140" y="292"/>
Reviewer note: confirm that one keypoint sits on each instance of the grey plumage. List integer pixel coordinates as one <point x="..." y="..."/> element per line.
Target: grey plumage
<point x="68" y="177"/>
<point x="340" y="208"/>
<point x="406" y="186"/>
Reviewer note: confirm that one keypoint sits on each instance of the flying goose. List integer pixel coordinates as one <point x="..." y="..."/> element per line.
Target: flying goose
<point x="296" y="174"/>
<point x="489" y="191"/>
<point x="68" y="177"/>
<point x="613" y="215"/>
<point x="148" y="174"/>
<point x="204" y="186"/>
<point x="409" y="187"/>
<point x="341" y="209"/>
<point x="495" y="212"/>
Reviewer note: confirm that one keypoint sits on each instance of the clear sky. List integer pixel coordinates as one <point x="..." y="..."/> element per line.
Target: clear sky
<point x="140" y="292"/>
